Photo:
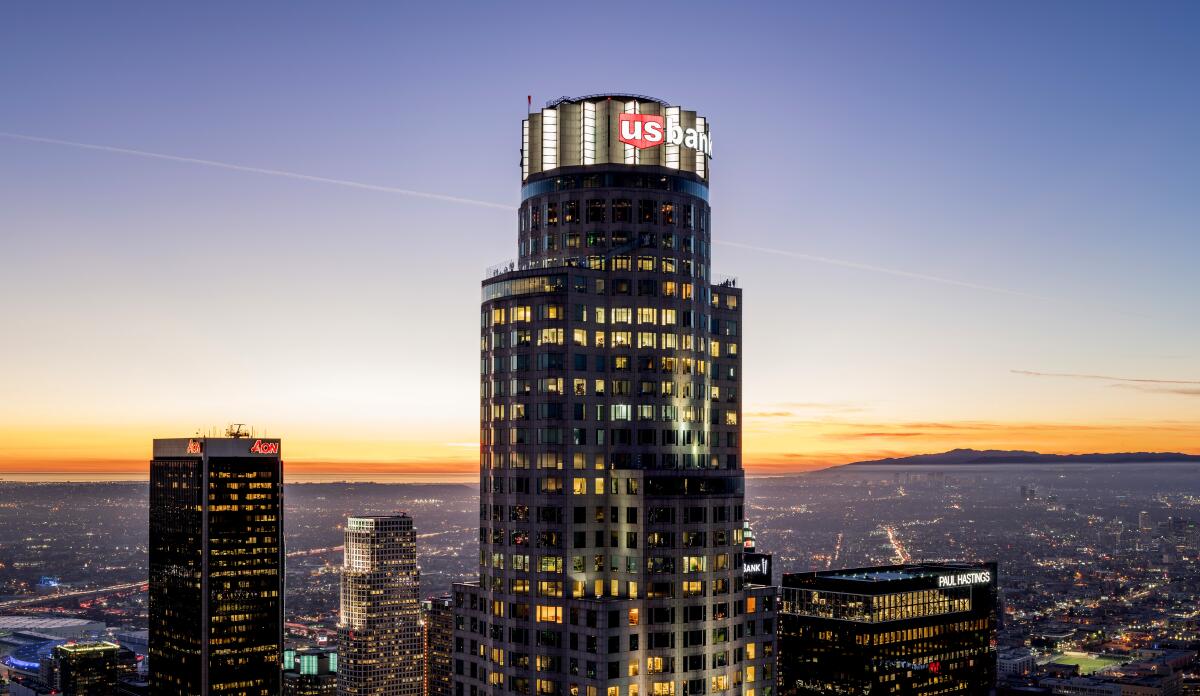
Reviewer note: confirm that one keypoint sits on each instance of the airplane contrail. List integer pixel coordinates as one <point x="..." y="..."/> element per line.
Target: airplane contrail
<point x="260" y="170"/>
<point x="498" y="206"/>
<point x="879" y="269"/>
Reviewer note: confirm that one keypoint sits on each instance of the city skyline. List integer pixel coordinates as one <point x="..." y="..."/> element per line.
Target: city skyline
<point x="957" y="237"/>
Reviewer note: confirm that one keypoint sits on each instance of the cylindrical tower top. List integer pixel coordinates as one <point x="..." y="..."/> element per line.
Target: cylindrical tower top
<point x="605" y="129"/>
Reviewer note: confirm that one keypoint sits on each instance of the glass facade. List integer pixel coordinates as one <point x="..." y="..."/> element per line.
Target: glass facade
<point x="611" y="487"/>
<point x="893" y="630"/>
<point x="216" y="567"/>
<point x="438" y="624"/>
<point x="83" y="669"/>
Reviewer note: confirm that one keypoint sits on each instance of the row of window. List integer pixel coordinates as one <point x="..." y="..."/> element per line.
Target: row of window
<point x="666" y="461"/>
<point x="647" y="365"/>
<point x="539" y="213"/>
<point x="558" y="283"/>
<point x="667" y="389"/>
<point x="602" y="239"/>
<point x="620" y="180"/>
<point x="691" y="514"/>
<point x="640" y="315"/>
<point x="577" y="385"/>
<point x="553" y="539"/>
<point x="645" y="437"/>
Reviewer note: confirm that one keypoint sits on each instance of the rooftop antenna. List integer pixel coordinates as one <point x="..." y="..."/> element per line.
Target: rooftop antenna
<point x="236" y="430"/>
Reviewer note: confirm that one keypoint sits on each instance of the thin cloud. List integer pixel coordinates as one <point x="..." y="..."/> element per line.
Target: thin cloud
<point x="1106" y="378"/>
<point x="881" y="269"/>
<point x="912" y="275"/>
<point x="260" y="170"/>
<point x="1182" y="391"/>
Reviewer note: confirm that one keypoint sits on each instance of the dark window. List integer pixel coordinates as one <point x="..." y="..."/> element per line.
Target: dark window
<point x="647" y="211"/>
<point x="622" y="211"/>
<point x="595" y="210"/>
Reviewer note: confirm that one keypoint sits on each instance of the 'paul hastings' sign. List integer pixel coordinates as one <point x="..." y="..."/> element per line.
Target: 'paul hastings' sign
<point x="974" y="577"/>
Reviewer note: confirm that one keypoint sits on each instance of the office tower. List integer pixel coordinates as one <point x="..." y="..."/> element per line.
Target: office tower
<point x="310" y="672"/>
<point x="379" y="632"/>
<point x="1145" y="525"/>
<point x="611" y="484"/>
<point x="216" y="566"/>
<point x="437" y="614"/>
<point x="926" y="628"/>
<point x="82" y="669"/>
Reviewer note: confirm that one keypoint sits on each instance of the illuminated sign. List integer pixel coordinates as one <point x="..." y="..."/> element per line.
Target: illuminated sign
<point x="976" y="577"/>
<point x="644" y="131"/>
<point x="756" y="568"/>
<point x="260" y="447"/>
<point x="194" y="447"/>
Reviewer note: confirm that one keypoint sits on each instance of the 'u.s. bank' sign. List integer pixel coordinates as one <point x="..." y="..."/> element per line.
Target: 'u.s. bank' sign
<point x="645" y="130"/>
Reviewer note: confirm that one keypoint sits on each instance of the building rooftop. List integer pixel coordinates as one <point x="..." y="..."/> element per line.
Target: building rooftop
<point x="81" y="648"/>
<point x="898" y="573"/>
<point x="46" y="623"/>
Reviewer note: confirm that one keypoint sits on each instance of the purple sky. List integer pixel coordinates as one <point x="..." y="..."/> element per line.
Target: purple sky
<point x="1041" y="157"/>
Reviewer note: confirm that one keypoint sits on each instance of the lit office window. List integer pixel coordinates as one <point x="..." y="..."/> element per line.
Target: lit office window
<point x="524" y="149"/>
<point x="671" y="152"/>
<point x="549" y="139"/>
<point x="589" y="133"/>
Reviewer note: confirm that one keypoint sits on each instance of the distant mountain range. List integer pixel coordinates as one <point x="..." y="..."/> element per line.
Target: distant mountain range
<point x="972" y="456"/>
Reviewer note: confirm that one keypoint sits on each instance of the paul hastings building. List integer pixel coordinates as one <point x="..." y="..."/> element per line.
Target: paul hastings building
<point x="925" y="628"/>
<point x="611" y="486"/>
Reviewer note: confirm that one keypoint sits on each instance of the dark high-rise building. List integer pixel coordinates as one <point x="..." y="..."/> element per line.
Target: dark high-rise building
<point x="83" y="669"/>
<point x="927" y="628"/>
<point x="611" y="485"/>
<point x="310" y="672"/>
<point x="379" y="627"/>
<point x="437" y="614"/>
<point x="216" y="566"/>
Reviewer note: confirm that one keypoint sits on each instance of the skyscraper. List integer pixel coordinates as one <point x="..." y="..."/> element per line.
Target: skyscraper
<point x="379" y="632"/>
<point x="216" y="566"/>
<point x="922" y="628"/>
<point x="611" y="486"/>
<point x="437" y="614"/>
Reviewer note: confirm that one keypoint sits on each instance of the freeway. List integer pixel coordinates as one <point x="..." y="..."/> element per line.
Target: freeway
<point x="51" y="598"/>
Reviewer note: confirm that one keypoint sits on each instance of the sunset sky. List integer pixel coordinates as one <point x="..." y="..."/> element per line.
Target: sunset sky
<point x="955" y="226"/>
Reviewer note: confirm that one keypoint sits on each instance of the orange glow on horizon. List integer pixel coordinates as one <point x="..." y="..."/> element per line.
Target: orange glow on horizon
<point x="777" y="443"/>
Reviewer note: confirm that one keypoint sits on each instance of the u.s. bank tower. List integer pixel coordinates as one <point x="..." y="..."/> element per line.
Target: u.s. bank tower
<point x="611" y="486"/>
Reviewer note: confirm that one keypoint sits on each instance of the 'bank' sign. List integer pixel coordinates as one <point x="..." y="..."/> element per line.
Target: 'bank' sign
<point x="644" y="131"/>
<point x="975" y="577"/>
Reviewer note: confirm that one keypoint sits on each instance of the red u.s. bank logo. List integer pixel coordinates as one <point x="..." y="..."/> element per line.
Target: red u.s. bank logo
<point x="642" y="130"/>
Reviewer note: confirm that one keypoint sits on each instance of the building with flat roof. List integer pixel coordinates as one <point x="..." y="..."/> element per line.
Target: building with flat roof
<point x="924" y="628"/>
<point x="216" y="566"/>
<point x="57" y="626"/>
<point x="437" y="625"/>
<point x="83" y="669"/>
<point x="379" y="631"/>
<point x="310" y="672"/>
